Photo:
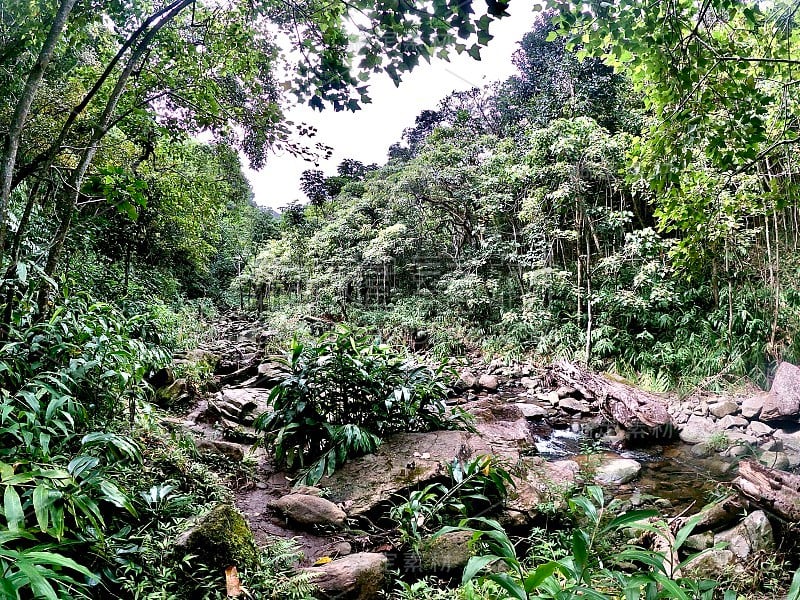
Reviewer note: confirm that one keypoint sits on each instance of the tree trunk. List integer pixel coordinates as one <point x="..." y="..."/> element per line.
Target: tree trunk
<point x="70" y="200"/>
<point x="775" y="491"/>
<point x="637" y="411"/>
<point x="22" y="110"/>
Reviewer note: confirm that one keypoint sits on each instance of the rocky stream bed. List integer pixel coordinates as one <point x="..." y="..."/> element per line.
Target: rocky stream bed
<point x="552" y="427"/>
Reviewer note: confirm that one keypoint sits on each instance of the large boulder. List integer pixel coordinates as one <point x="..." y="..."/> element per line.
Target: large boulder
<point x="309" y="510"/>
<point x="175" y="394"/>
<point x="360" y="576"/>
<point x="783" y="400"/>
<point x="219" y="539"/>
<point x="242" y="405"/>
<point x="408" y="460"/>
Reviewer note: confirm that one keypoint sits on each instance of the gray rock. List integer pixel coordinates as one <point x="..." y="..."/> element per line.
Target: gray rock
<point x="466" y="381"/>
<point x="566" y="391"/>
<point x="772" y="445"/>
<point x="700" y="450"/>
<point x="231" y="450"/>
<point x="488" y="383"/>
<point x="790" y="439"/>
<point x="368" y="480"/>
<point x="697" y="429"/>
<point x="754" y="534"/>
<point x="531" y="411"/>
<point x="447" y="552"/>
<point x="724" y="408"/>
<point x="730" y="421"/>
<point x="360" y="576"/>
<point x="759" y="428"/>
<point x="710" y="564"/>
<point x="783" y="399"/>
<point x="736" y="451"/>
<point x="751" y="407"/>
<point x="775" y="460"/>
<point x="741" y="437"/>
<point x="310" y="510"/>
<point x="617" y="471"/>
<point x="573" y="406"/>
<point x="699" y="541"/>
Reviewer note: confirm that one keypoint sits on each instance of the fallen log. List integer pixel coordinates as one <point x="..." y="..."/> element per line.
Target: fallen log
<point x="775" y="491"/>
<point x="638" y="412"/>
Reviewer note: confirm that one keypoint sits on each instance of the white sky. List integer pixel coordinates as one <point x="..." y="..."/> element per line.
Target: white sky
<point x="367" y="134"/>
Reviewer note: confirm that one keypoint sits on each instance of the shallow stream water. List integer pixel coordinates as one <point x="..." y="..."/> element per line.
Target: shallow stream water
<point x="669" y="470"/>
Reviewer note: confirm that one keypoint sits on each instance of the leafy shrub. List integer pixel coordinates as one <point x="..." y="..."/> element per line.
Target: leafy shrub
<point x="65" y="383"/>
<point x="474" y="487"/>
<point x="341" y="395"/>
<point x="639" y="572"/>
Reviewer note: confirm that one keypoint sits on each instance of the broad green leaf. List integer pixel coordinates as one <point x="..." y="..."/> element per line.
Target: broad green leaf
<point x="630" y="517"/>
<point x="12" y="507"/>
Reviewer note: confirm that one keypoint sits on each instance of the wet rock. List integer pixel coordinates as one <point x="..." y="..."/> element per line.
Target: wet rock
<point x="310" y="511"/>
<point x="718" y="466"/>
<point x="710" y="564"/>
<point x="447" y="552"/>
<point x="774" y="460"/>
<point x="754" y="534"/>
<point x="219" y="539"/>
<point x="751" y="407"/>
<point x="697" y="429"/>
<point x="530" y="383"/>
<point x="573" y="406"/>
<point x="783" y="399"/>
<point x="488" y="383"/>
<point x="700" y="450"/>
<point x="359" y="576"/>
<point x="617" y="471"/>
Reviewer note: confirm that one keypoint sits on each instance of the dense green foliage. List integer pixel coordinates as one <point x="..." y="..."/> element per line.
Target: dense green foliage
<point x="342" y="394"/>
<point x="628" y="200"/>
<point x="553" y="215"/>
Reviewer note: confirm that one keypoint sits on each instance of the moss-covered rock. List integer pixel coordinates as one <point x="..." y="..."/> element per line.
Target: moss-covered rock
<point x="446" y="553"/>
<point x="219" y="539"/>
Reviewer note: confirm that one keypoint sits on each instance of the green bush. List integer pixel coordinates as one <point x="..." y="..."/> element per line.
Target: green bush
<point x="341" y="395"/>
